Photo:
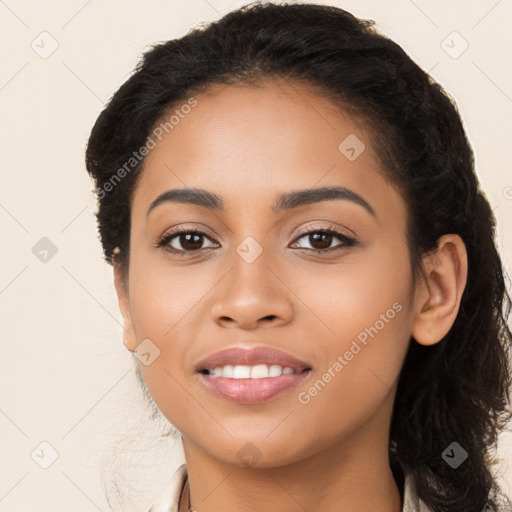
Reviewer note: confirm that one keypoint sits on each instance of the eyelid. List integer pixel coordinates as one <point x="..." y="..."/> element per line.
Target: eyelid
<point x="199" y="228"/>
<point x="173" y="232"/>
<point x="326" y="225"/>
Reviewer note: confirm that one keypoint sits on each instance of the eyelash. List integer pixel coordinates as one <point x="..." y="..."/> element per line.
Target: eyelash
<point x="167" y="237"/>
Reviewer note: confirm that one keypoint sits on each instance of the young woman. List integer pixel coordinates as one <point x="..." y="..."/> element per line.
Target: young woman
<point x="306" y="267"/>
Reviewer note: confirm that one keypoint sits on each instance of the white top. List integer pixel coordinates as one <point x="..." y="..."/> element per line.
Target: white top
<point x="169" y="500"/>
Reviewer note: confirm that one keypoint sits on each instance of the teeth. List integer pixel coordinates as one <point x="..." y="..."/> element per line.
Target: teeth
<point x="258" y="371"/>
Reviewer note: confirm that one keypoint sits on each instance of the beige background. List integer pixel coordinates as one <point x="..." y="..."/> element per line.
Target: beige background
<point x="66" y="378"/>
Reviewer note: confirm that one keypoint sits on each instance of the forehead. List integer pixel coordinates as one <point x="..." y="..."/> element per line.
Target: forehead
<point x="247" y="143"/>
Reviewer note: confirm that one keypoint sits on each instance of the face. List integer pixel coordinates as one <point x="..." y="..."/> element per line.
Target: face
<point x="326" y="282"/>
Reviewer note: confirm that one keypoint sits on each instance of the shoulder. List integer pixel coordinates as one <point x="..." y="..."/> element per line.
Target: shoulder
<point x="168" y="500"/>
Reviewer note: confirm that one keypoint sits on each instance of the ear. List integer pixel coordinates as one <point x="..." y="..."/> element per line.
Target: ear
<point x="123" y="299"/>
<point x="438" y="297"/>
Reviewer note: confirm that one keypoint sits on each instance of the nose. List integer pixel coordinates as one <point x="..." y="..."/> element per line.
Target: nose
<point x="252" y="295"/>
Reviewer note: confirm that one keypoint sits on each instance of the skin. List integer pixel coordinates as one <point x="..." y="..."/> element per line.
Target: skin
<point x="248" y="145"/>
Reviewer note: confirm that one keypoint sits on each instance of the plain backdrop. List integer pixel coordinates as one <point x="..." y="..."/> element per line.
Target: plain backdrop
<point x="71" y="410"/>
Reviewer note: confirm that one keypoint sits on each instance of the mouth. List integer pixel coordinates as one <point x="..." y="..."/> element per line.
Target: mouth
<point x="251" y="385"/>
<point x="251" y="376"/>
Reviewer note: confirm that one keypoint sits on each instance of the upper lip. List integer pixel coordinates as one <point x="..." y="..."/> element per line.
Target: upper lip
<point x="249" y="357"/>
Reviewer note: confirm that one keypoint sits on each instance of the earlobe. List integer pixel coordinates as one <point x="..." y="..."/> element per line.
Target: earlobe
<point x="129" y="338"/>
<point x="438" y="297"/>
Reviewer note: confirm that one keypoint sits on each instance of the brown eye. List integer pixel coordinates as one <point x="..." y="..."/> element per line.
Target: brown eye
<point x="184" y="241"/>
<point x="190" y="241"/>
<point x="320" y="240"/>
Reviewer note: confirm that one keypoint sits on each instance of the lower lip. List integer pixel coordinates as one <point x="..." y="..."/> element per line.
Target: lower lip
<point x="252" y="391"/>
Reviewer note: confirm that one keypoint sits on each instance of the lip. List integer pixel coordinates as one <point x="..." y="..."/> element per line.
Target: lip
<point x="252" y="391"/>
<point x="258" y="355"/>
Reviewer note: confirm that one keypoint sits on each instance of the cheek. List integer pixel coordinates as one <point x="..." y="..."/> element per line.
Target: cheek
<point x="166" y="307"/>
<point x="365" y="360"/>
<point x="162" y="297"/>
<point x="364" y="327"/>
<point x="366" y="289"/>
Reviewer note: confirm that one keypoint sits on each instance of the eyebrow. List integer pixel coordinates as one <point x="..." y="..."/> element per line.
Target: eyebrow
<point x="285" y="201"/>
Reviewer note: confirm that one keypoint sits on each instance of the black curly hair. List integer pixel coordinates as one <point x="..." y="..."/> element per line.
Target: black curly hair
<point x="455" y="390"/>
